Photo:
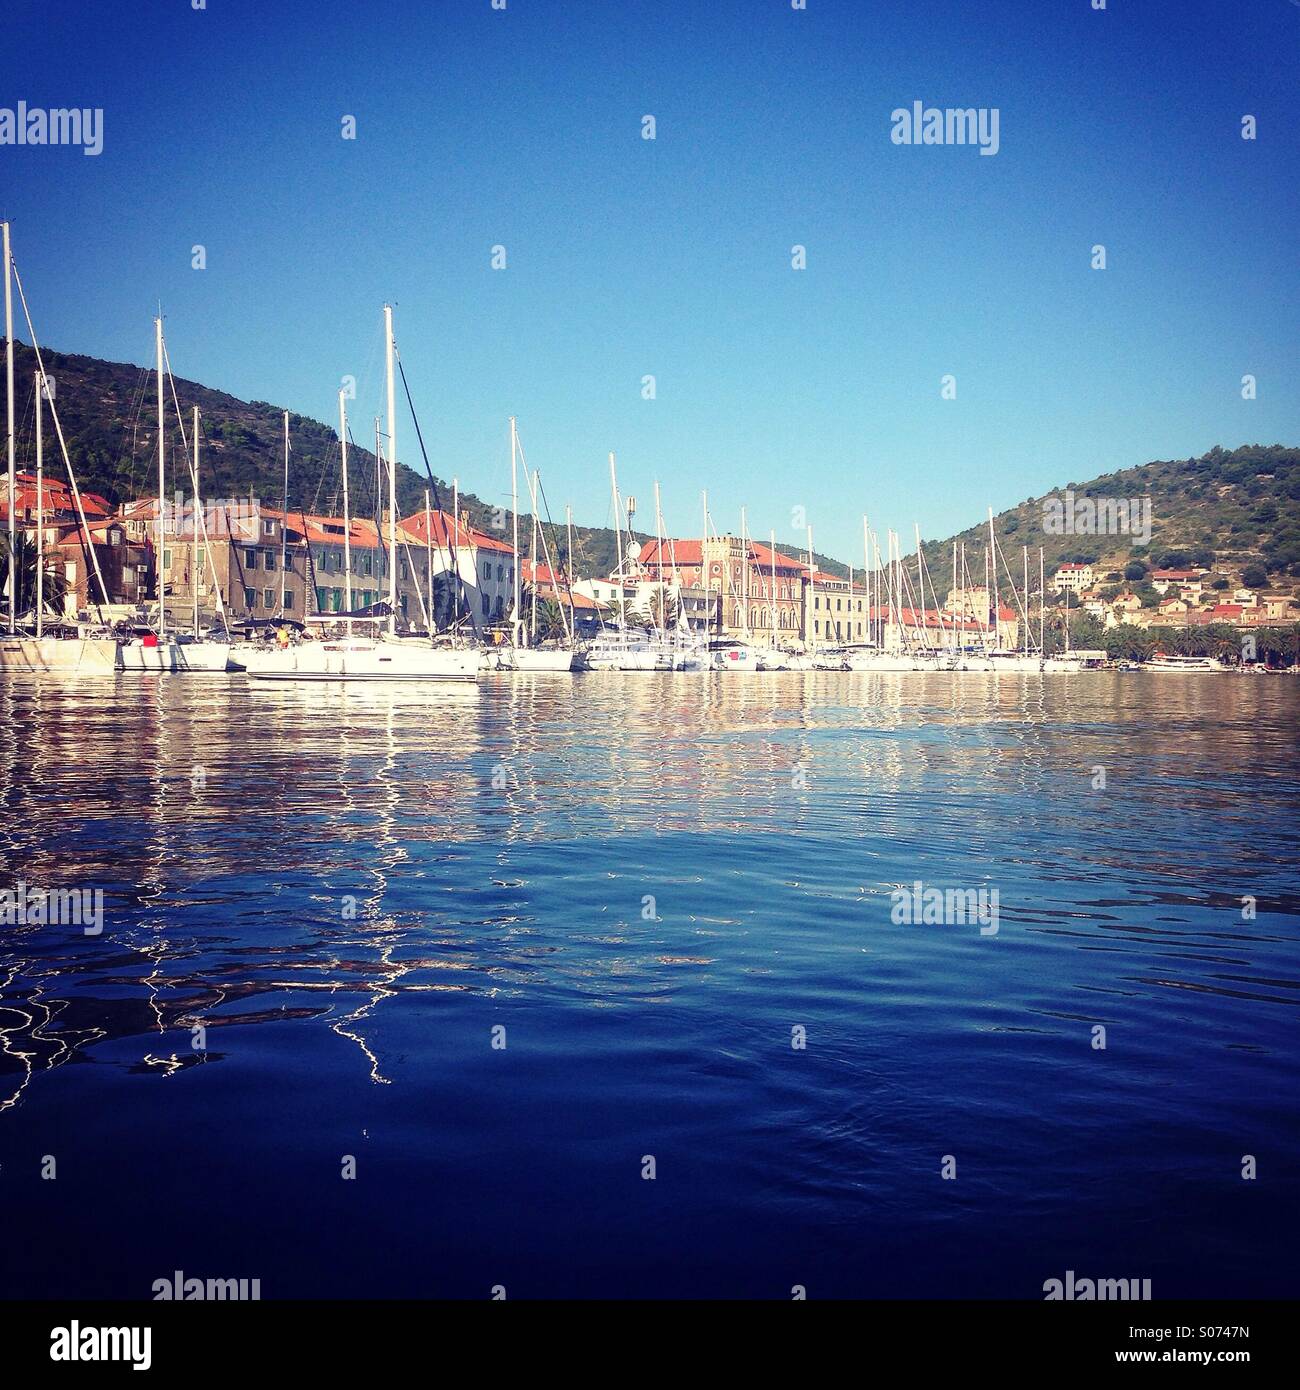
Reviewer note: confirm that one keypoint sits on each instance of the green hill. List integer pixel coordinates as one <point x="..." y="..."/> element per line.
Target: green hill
<point x="108" y="411"/>
<point x="1229" y="511"/>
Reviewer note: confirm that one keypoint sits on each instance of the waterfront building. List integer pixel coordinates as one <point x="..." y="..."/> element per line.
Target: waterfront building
<point x="731" y="585"/>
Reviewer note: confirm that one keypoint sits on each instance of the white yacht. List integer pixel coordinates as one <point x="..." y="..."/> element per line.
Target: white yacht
<point x="1184" y="664"/>
<point x="148" y="652"/>
<point x="726" y="654"/>
<point x="525" y="659"/>
<point x="85" y="655"/>
<point x="617" y="650"/>
<point x="360" y="659"/>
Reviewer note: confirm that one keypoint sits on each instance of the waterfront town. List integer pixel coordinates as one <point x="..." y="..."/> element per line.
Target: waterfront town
<point x="254" y="564"/>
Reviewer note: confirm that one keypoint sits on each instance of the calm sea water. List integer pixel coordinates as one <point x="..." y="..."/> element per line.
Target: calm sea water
<point x="651" y="883"/>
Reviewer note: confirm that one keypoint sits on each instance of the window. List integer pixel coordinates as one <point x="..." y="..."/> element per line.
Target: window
<point x="487" y="602"/>
<point x="336" y="600"/>
<point x="487" y="570"/>
<point x="500" y="607"/>
<point x="288" y="599"/>
<point x="250" y="559"/>
<point x="500" y="572"/>
<point x="268" y="526"/>
<point x="250" y="598"/>
<point x="268" y="560"/>
<point x="114" y="536"/>
<point x="405" y="575"/>
<point x="268" y="597"/>
<point x="128" y="574"/>
<point x="167" y="559"/>
<point x="322" y="596"/>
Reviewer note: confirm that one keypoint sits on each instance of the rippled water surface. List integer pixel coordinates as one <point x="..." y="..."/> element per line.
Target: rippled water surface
<point x="651" y="883"/>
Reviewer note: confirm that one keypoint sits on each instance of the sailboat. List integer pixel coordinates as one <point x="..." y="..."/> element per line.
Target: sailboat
<point x="70" y="648"/>
<point x="365" y="658"/>
<point x="521" y="655"/>
<point x="617" y="648"/>
<point x="194" y="650"/>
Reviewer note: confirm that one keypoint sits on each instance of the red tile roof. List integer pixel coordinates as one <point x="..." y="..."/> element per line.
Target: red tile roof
<point x="56" y="496"/>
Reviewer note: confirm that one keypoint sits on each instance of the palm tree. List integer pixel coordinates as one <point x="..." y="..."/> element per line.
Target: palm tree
<point x="25" y="552"/>
<point x="663" y="610"/>
<point x="550" y="619"/>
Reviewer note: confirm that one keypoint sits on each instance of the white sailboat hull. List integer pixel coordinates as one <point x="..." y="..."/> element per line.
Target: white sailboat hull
<point x="82" y="655"/>
<point x="888" y="661"/>
<point x="737" y="658"/>
<point x="630" y="661"/>
<point x="160" y="656"/>
<point x="360" y="661"/>
<point x="203" y="656"/>
<point x="1189" y="666"/>
<point x="535" y="659"/>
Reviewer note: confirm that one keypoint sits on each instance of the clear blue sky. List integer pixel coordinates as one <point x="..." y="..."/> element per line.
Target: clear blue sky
<point x="776" y="388"/>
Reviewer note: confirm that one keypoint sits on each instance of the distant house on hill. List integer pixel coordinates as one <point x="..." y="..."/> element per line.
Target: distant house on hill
<point x="1073" y="577"/>
<point x="1190" y="579"/>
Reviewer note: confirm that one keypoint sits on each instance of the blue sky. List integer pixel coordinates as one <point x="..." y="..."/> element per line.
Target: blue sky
<point x="776" y="388"/>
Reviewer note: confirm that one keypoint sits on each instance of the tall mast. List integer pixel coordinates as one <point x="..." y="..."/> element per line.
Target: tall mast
<point x="194" y="563"/>
<point x="618" y="543"/>
<point x="532" y="550"/>
<point x="455" y="557"/>
<point x="428" y="557"/>
<point x="284" y="509"/>
<point x="392" y="472"/>
<point x="1042" y="606"/>
<point x="568" y="572"/>
<point x="704" y="565"/>
<point x="812" y="576"/>
<point x="347" y="514"/>
<point x="744" y="574"/>
<point x="9" y="397"/>
<point x="991" y="573"/>
<point x="772" y="538"/>
<point x="514" y="517"/>
<point x="379" y="517"/>
<point x="1024" y="607"/>
<point x="40" y="512"/>
<point x="162" y="482"/>
<point x="659" y="562"/>
<point x="866" y="576"/>
<point x="952" y="600"/>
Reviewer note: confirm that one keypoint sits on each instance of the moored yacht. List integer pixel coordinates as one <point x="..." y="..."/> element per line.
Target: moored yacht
<point x="353" y="656"/>
<point x="66" y="652"/>
<point x="1184" y="664"/>
<point x="360" y="659"/>
<point x="726" y="654"/>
